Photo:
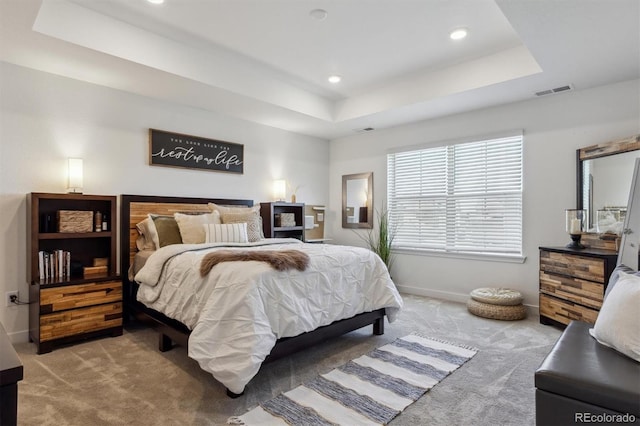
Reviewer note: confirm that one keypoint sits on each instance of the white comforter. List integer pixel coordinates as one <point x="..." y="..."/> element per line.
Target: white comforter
<point x="239" y="310"/>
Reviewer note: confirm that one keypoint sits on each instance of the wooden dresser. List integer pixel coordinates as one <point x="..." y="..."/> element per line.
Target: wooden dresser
<point x="572" y="283"/>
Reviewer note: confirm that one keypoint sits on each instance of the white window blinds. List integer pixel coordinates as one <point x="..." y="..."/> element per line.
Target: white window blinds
<point x="463" y="198"/>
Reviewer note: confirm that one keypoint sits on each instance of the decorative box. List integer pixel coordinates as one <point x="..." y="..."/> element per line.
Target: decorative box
<point x="285" y="219"/>
<point x="100" y="261"/>
<point x="75" y="221"/>
<point x="95" y="271"/>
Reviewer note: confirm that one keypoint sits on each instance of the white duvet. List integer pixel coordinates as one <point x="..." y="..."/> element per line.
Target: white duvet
<point x="239" y="310"/>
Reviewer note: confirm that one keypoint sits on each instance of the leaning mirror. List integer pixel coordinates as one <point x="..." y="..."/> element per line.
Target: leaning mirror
<point x="605" y="173"/>
<point x="357" y="200"/>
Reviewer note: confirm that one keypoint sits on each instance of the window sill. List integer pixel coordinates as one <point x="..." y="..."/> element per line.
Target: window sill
<point x="468" y="256"/>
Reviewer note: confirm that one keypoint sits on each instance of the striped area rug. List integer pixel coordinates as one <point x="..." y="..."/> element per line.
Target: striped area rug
<point x="369" y="390"/>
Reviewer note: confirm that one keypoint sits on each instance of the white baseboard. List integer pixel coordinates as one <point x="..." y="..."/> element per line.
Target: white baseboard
<point x="436" y="294"/>
<point x="19" y="336"/>
<point x="532" y="310"/>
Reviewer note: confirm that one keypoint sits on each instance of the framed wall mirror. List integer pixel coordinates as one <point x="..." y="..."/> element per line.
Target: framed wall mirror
<point x="357" y="200"/>
<point x="605" y="172"/>
<point x="629" y="254"/>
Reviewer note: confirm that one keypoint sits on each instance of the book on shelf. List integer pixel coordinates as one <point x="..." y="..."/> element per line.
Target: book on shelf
<point x="54" y="265"/>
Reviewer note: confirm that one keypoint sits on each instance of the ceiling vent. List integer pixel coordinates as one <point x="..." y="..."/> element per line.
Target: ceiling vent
<point x="366" y="129"/>
<point x="560" y="89"/>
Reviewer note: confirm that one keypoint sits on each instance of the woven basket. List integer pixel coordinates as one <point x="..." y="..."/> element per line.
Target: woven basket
<point x="75" y="221"/>
<point x="487" y="310"/>
<point x="285" y="219"/>
<point x="497" y="296"/>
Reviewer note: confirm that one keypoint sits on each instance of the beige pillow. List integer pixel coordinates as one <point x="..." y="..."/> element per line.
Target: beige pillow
<point x="146" y="237"/>
<point x="191" y="226"/>
<point x="240" y="209"/>
<point x="253" y="221"/>
<point x="225" y="233"/>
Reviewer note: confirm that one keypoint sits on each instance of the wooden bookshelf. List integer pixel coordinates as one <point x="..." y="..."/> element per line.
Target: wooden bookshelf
<point x="65" y="305"/>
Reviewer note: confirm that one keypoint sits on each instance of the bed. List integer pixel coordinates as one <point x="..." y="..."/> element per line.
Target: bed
<point x="210" y="336"/>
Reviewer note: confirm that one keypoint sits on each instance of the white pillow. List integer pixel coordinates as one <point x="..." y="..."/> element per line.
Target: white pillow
<point x="618" y="323"/>
<point x="190" y="225"/>
<point x="226" y="233"/>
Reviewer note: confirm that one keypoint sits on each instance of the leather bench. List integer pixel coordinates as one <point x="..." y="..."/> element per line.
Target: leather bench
<point x="582" y="381"/>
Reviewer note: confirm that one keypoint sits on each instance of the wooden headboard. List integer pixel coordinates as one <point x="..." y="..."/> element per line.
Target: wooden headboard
<point x="135" y="208"/>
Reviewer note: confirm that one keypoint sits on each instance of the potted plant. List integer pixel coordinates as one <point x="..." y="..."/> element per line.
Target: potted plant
<point x="380" y="238"/>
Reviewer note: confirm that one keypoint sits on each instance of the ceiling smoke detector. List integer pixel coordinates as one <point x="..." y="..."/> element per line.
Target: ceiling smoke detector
<point x="318" y="14"/>
<point x="553" y="91"/>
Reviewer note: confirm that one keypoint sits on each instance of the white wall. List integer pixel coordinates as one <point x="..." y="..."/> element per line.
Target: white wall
<point x="554" y="127"/>
<point x="44" y="119"/>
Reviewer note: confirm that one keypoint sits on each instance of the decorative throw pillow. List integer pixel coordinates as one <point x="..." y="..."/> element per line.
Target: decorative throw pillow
<point x="253" y="221"/>
<point x="166" y="230"/>
<point x="617" y="323"/>
<point x="225" y="233"/>
<point x="146" y="237"/>
<point x="620" y="269"/>
<point x="190" y="225"/>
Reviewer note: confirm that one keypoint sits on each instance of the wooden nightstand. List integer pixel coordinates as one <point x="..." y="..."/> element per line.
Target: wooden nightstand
<point x="572" y="283"/>
<point x="272" y="226"/>
<point x="65" y="304"/>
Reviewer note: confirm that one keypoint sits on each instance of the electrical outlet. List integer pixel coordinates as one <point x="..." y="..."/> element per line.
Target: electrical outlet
<point x="12" y="295"/>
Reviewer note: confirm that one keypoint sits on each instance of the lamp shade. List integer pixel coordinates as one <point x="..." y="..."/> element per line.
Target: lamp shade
<point x="279" y="189"/>
<point x="74" y="175"/>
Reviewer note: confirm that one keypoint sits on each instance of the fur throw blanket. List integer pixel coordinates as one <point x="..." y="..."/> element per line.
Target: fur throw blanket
<point x="280" y="260"/>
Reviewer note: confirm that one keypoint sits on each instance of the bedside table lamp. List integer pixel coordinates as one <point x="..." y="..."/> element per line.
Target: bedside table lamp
<point x="279" y="189"/>
<point x="74" y="175"/>
<point x="575" y="221"/>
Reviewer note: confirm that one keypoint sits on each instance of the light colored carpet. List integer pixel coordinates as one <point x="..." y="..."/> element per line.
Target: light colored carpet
<point x="125" y="380"/>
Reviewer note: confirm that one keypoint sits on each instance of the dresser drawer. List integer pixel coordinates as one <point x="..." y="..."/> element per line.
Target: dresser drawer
<point x="588" y="268"/>
<point x="78" y="296"/>
<point x="564" y="311"/>
<point x="575" y="290"/>
<point x="77" y="321"/>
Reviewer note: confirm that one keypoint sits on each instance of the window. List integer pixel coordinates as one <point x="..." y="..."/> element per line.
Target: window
<point x="463" y="198"/>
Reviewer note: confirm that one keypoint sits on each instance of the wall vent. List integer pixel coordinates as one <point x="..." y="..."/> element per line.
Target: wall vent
<point x="553" y="91"/>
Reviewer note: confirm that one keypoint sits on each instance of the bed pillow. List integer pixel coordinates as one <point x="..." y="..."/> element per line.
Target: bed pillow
<point x="166" y="230"/>
<point x="190" y="226"/>
<point x="253" y="221"/>
<point x="225" y="233"/>
<point x="617" y="323"/>
<point x="230" y="209"/>
<point x="146" y="232"/>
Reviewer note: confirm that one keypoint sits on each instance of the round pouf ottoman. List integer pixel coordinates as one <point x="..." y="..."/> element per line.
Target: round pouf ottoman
<point x="497" y="303"/>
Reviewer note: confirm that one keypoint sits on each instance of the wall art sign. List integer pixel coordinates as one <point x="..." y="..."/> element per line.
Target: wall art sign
<point x="193" y="152"/>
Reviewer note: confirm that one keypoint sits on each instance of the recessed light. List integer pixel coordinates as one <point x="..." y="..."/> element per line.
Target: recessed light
<point x="156" y="1"/>
<point x="334" y="79"/>
<point x="458" y="34"/>
<point x="318" y="14"/>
